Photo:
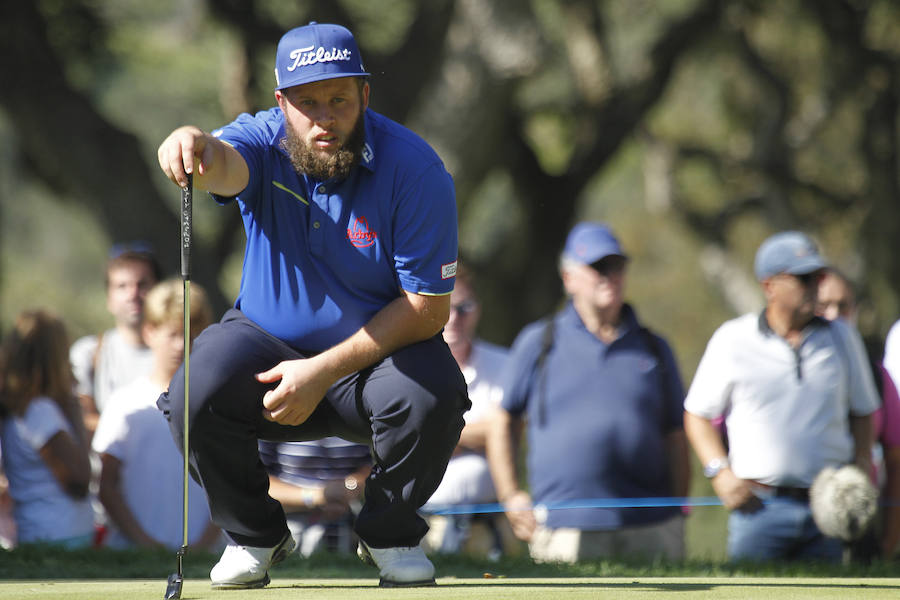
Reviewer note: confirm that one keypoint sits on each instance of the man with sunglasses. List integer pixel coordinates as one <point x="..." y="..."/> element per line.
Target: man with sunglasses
<point x="467" y="480"/>
<point x="796" y="393"/>
<point x="602" y="399"/>
<point x="837" y="299"/>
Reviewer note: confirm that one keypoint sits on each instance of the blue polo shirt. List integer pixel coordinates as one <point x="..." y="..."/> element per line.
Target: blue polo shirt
<point x="322" y="257"/>
<point x="607" y="411"/>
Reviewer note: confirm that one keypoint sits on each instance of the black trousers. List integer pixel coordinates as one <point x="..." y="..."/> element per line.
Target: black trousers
<point x="408" y="408"/>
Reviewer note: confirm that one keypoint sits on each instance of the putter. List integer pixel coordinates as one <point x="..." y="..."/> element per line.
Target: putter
<point x="173" y="588"/>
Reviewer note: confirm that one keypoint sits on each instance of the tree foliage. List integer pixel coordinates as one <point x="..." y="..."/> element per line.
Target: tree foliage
<point x="695" y="127"/>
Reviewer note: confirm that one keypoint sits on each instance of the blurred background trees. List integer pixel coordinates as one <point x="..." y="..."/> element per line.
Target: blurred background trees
<point x="694" y="127"/>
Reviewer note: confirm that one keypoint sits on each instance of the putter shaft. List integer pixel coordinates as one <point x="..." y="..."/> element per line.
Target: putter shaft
<point x="176" y="580"/>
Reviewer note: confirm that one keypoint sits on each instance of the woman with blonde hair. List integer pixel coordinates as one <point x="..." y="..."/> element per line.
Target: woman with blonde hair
<point x="45" y="454"/>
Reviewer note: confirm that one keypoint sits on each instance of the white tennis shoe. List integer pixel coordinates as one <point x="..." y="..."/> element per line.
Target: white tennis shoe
<point x="399" y="567"/>
<point x="247" y="567"/>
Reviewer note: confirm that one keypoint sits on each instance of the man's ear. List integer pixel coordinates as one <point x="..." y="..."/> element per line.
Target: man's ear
<point x="767" y="285"/>
<point x="567" y="280"/>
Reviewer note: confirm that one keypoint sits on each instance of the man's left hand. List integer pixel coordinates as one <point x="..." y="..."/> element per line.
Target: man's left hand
<point x="300" y="389"/>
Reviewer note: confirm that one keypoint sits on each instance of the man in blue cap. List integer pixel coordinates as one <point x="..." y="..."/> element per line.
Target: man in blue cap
<point x="348" y="268"/>
<point x="602" y="398"/>
<point x="796" y="394"/>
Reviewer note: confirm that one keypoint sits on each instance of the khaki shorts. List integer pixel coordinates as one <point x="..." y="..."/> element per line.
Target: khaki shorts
<point x="660" y="540"/>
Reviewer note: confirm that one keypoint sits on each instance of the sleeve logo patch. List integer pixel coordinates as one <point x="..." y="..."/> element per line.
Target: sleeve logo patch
<point x="448" y="270"/>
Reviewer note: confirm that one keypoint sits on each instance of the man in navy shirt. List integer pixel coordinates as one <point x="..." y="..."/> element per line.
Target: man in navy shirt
<point x="602" y="399"/>
<point x="349" y="264"/>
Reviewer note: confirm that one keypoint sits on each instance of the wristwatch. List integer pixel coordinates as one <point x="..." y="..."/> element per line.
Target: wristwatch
<point x="715" y="466"/>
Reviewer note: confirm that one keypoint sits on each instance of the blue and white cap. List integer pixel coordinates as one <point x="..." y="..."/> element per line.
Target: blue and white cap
<point x="589" y="242"/>
<point x="789" y="252"/>
<point x="315" y="52"/>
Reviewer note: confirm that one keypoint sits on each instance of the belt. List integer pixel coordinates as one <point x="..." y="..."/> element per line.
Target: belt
<point x="794" y="493"/>
<point x="781" y="491"/>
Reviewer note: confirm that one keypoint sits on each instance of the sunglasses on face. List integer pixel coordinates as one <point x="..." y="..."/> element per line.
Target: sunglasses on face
<point x="807" y="279"/>
<point x="609" y="266"/>
<point x="464" y="308"/>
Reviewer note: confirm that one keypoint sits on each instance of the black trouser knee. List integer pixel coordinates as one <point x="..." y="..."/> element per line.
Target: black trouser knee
<point x="225" y="418"/>
<point x="416" y="399"/>
<point x="408" y="407"/>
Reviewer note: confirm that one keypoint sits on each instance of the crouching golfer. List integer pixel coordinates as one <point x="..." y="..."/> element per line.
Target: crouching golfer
<point x="350" y="260"/>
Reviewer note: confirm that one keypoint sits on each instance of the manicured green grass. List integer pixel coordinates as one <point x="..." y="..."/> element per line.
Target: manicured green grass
<point x="535" y="588"/>
<point x="52" y="573"/>
<point x="46" y="563"/>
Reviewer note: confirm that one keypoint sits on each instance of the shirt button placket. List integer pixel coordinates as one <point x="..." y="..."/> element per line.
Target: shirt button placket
<point x="317" y="216"/>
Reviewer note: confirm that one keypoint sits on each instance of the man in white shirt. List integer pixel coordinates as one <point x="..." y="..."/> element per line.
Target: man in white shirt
<point x="141" y="479"/>
<point x="796" y="393"/>
<point x="101" y="363"/>
<point x="467" y="480"/>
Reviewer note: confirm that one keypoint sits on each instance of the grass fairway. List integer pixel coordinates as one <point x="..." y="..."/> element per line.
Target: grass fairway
<point x="575" y="588"/>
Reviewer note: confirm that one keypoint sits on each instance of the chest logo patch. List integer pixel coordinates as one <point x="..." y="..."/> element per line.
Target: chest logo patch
<point x="360" y="235"/>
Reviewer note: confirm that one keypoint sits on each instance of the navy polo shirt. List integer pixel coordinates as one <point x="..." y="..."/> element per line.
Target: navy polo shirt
<point x="322" y="257"/>
<point x="607" y="411"/>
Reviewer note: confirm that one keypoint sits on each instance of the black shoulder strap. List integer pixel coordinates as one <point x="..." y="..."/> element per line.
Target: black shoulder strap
<point x="656" y="348"/>
<point x="546" y="344"/>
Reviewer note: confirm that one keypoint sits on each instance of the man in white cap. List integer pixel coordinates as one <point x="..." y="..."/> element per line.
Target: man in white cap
<point x="796" y="393"/>
<point x="348" y="269"/>
<point x="602" y="399"/>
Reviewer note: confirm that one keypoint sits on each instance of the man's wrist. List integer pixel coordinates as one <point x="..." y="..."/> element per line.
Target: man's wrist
<point x="506" y="497"/>
<point x="715" y="466"/>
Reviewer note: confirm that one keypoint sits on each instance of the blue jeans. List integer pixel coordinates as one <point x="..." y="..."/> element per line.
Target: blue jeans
<point x="782" y="529"/>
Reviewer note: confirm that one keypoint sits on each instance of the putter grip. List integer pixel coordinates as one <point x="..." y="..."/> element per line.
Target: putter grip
<point x="187" y="201"/>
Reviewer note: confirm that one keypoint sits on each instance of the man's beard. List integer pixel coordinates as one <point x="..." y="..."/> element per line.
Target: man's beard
<point x="306" y="159"/>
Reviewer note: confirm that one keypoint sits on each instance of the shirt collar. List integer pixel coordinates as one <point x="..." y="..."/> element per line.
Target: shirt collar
<point x="368" y="152"/>
<point x="766" y="329"/>
<point x="628" y="321"/>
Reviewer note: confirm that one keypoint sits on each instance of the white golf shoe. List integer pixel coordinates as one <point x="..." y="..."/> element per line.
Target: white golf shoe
<point x="246" y="567"/>
<point x="399" y="567"/>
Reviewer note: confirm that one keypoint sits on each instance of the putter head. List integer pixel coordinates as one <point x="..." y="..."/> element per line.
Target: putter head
<point x="173" y="588"/>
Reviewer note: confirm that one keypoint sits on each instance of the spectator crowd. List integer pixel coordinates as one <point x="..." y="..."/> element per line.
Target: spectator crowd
<point x="346" y="402"/>
<point x="595" y="396"/>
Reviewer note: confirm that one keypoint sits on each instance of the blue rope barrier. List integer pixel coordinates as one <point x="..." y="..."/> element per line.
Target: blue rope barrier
<point x="467" y="509"/>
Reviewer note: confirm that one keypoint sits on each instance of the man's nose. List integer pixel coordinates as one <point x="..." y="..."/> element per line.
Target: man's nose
<point x="324" y="115"/>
